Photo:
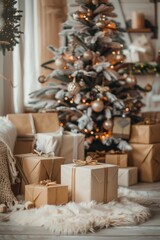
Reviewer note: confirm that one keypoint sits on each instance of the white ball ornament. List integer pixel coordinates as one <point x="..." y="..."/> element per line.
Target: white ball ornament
<point x="97" y="105"/>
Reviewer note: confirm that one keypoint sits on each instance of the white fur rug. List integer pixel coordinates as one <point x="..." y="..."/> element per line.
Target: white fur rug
<point x="74" y="218"/>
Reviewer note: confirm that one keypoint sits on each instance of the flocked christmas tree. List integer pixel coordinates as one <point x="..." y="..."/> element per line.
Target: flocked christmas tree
<point x="90" y="95"/>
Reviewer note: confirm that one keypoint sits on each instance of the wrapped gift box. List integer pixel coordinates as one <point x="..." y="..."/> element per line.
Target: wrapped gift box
<point x="147" y="158"/>
<point x="41" y="194"/>
<point x="127" y="176"/>
<point x="35" y="168"/>
<point x="121" y="127"/>
<point x="117" y="158"/>
<point x="65" y="144"/>
<point x="24" y="145"/>
<point x="152" y="116"/>
<point x="28" y="124"/>
<point x="90" y="182"/>
<point x="145" y="133"/>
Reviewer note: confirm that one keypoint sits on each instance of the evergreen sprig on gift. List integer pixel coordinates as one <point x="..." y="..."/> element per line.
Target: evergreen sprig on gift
<point x="9" y="25"/>
<point x="90" y="92"/>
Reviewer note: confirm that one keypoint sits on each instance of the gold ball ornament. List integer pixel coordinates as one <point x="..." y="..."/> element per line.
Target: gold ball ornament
<point x="60" y="63"/>
<point x="107" y="124"/>
<point x="95" y="2"/>
<point x="82" y="83"/>
<point x="42" y="79"/>
<point x="119" y="57"/>
<point x="148" y="87"/>
<point x="73" y="88"/>
<point x="87" y="55"/>
<point x="97" y="105"/>
<point x="101" y="24"/>
<point x="111" y="25"/>
<point x="131" y="81"/>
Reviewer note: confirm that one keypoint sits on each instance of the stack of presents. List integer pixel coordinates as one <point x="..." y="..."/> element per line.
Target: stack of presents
<point x="53" y="169"/>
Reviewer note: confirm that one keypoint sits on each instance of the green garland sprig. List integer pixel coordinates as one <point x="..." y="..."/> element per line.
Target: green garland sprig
<point x="140" y="68"/>
<point x="9" y="31"/>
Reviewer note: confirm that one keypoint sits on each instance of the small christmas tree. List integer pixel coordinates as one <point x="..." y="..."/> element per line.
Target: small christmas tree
<point x="90" y="95"/>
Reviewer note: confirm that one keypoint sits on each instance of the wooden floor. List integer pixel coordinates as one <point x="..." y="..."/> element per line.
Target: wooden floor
<point x="147" y="231"/>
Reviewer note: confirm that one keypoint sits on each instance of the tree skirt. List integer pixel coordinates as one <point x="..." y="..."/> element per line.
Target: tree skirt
<point x="76" y="218"/>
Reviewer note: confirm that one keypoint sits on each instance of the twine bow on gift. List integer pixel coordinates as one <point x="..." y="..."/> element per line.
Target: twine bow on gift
<point x="40" y="153"/>
<point x="89" y="161"/>
<point x="47" y="182"/>
<point x="98" y="155"/>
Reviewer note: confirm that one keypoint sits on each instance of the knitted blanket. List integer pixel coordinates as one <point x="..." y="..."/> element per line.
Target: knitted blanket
<point x="8" y="173"/>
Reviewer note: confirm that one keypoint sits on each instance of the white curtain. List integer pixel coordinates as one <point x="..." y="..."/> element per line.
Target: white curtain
<point x="31" y="49"/>
<point x="23" y="66"/>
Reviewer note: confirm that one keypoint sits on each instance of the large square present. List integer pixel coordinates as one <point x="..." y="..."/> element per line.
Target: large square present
<point x="34" y="168"/>
<point x="40" y="195"/>
<point x="127" y="176"/>
<point x="145" y="133"/>
<point x="65" y="144"/>
<point x="147" y="158"/>
<point x="121" y="127"/>
<point x="90" y="182"/>
<point x="28" y="124"/>
<point x="117" y="158"/>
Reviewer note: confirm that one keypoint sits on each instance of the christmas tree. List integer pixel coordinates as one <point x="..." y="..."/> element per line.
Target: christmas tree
<point x="88" y="91"/>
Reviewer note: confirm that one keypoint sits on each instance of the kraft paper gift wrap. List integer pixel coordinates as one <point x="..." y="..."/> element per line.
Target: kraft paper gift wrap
<point x="121" y="127"/>
<point x="90" y="182"/>
<point x="61" y="143"/>
<point x="120" y="159"/>
<point x="147" y="158"/>
<point x="145" y="133"/>
<point x="36" y="168"/>
<point x="127" y="176"/>
<point x="41" y="194"/>
<point x="27" y="124"/>
<point x="24" y="145"/>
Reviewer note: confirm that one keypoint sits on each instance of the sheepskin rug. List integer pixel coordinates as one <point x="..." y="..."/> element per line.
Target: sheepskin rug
<point x="76" y="218"/>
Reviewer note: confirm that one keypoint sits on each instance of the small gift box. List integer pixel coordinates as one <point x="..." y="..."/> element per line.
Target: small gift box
<point x="61" y="143"/>
<point x="121" y="127"/>
<point x="147" y="158"/>
<point x="53" y="194"/>
<point x="145" y="133"/>
<point x="34" y="168"/>
<point x="127" y="176"/>
<point x="90" y="182"/>
<point x="117" y="158"/>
